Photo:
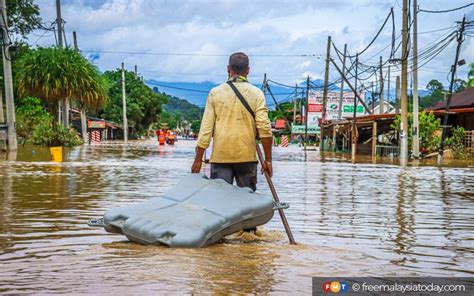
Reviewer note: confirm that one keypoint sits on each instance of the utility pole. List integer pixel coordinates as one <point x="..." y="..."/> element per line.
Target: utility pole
<point x="404" y="99"/>
<point x="306" y="114"/>
<point x="325" y="95"/>
<point x="2" y="117"/>
<point x="341" y="93"/>
<point x="294" y="104"/>
<point x="82" y="108"/>
<point x="381" y="102"/>
<point x="124" y="105"/>
<point x="59" y="21"/>
<point x="136" y="71"/>
<point x="397" y="95"/>
<point x="416" y="128"/>
<point x="8" y="80"/>
<point x="74" y="37"/>
<point x="388" y="85"/>
<point x="450" y="95"/>
<point x="354" y="125"/>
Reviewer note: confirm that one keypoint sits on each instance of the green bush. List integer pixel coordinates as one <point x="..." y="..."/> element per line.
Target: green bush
<point x="455" y="142"/>
<point x="35" y="125"/>
<point x="45" y="135"/>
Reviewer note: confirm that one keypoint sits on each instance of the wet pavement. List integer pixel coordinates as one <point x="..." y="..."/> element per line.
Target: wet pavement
<point x="362" y="219"/>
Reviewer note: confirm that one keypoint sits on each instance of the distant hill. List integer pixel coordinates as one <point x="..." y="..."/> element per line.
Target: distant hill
<point x="183" y="108"/>
<point x="196" y="93"/>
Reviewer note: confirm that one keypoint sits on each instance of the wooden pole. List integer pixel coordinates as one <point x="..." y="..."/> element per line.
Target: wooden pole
<point x="416" y="128"/>
<point x="354" y="125"/>
<point x="276" y="199"/>
<point x="82" y="108"/>
<point x="450" y="94"/>
<point x="8" y="80"/>
<point x="404" y="98"/>
<point x="374" y="138"/>
<point x="306" y="115"/>
<point x="341" y="92"/>
<point x="124" y="106"/>
<point x="325" y="94"/>
<point x="381" y="102"/>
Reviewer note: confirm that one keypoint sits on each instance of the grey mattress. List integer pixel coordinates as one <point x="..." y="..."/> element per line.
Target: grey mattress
<point x="196" y="212"/>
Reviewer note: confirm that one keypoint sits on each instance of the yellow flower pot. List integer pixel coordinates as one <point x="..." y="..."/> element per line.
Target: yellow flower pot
<point x="56" y="154"/>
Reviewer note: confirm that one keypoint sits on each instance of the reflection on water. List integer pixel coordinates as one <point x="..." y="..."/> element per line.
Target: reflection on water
<point x="349" y="219"/>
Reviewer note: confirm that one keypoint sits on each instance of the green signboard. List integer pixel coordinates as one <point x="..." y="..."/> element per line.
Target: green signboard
<point x="299" y="129"/>
<point x="350" y="108"/>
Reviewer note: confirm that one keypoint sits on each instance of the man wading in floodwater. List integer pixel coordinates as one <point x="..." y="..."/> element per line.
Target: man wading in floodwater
<point x="234" y="129"/>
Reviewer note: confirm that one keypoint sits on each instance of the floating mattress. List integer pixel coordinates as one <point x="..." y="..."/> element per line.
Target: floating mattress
<point x="195" y="213"/>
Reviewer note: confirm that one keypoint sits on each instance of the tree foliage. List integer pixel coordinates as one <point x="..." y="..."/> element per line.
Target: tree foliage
<point x="436" y="94"/>
<point x="143" y="105"/>
<point x="53" y="74"/>
<point x="470" y="76"/>
<point x="35" y="125"/>
<point x="23" y="17"/>
<point x="178" y="111"/>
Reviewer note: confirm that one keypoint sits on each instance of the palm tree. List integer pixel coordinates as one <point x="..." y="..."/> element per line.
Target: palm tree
<point x="53" y="74"/>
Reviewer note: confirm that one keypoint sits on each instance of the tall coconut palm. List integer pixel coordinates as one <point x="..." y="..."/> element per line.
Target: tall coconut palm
<point x="53" y="74"/>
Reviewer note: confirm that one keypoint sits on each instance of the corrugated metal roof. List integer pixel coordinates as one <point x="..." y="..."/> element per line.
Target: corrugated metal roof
<point x="462" y="99"/>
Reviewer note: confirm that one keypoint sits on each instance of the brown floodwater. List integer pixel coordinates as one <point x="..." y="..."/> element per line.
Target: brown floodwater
<point x="369" y="218"/>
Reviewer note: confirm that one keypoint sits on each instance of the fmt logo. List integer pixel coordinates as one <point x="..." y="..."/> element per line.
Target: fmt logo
<point x="335" y="287"/>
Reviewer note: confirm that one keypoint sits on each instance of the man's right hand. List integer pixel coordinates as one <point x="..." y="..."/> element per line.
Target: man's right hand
<point x="196" y="167"/>
<point x="268" y="168"/>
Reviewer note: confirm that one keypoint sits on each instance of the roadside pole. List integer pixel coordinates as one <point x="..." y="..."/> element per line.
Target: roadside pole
<point x="294" y="104"/>
<point x="450" y="94"/>
<point x="381" y="102"/>
<point x="124" y="106"/>
<point x="306" y="115"/>
<point x="325" y="95"/>
<point x="341" y="92"/>
<point x="416" y="129"/>
<point x="8" y="80"/>
<point x="354" y="125"/>
<point x="82" y="108"/>
<point x="65" y="101"/>
<point x="404" y="98"/>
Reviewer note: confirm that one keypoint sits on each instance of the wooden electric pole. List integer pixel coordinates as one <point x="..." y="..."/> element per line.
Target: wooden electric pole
<point x="306" y="114"/>
<point x="404" y="98"/>
<point x="397" y="95"/>
<point x="294" y="104"/>
<point x="341" y="92"/>
<point x="416" y="129"/>
<point x="124" y="106"/>
<point x="82" y="108"/>
<point x="354" y="124"/>
<point x="65" y="101"/>
<point x="8" y="80"/>
<point x="381" y="102"/>
<point x="450" y="94"/>
<point x="325" y="94"/>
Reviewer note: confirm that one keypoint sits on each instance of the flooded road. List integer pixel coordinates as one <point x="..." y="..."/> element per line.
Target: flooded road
<point x="349" y="219"/>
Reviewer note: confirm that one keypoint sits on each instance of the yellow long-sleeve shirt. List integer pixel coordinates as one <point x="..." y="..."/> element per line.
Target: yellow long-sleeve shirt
<point x="231" y="126"/>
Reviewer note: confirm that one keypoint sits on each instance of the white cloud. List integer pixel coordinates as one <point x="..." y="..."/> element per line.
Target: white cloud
<point x="257" y="27"/>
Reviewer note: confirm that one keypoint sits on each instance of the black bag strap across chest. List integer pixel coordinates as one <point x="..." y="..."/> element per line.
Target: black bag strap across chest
<point x="241" y="98"/>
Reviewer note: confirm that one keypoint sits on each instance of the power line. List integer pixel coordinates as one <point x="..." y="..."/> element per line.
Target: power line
<point x="310" y="55"/>
<point x="447" y="10"/>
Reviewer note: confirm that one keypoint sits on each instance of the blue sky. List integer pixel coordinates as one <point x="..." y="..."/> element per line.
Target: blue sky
<point x="133" y="31"/>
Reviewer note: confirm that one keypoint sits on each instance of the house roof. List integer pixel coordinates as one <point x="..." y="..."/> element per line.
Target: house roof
<point x="463" y="99"/>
